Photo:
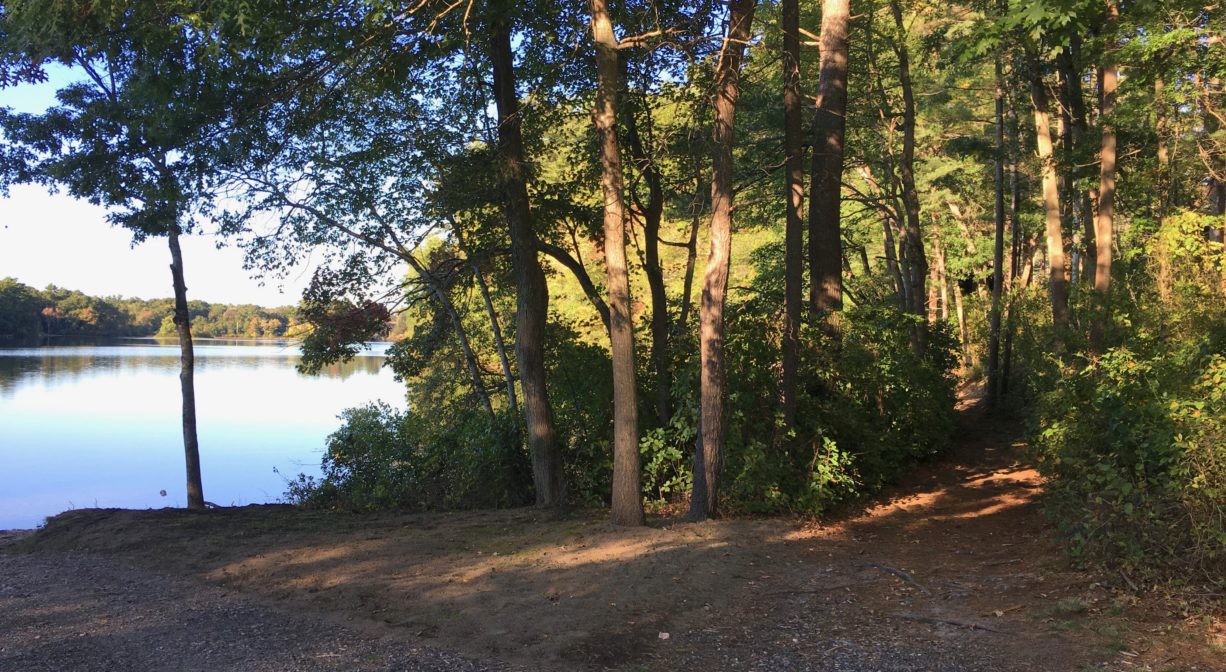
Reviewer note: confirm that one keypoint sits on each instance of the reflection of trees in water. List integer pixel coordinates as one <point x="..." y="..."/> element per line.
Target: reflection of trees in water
<point x="60" y="367"/>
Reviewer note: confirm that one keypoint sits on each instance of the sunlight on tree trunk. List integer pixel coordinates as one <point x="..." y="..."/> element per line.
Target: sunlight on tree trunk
<point x="187" y="373"/>
<point x="710" y="459"/>
<point x="627" y="493"/>
<point x="826" y="173"/>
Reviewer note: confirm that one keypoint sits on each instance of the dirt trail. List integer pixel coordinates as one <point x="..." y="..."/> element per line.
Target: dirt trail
<point x="955" y="571"/>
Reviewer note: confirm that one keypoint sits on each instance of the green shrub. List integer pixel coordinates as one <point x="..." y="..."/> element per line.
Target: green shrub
<point x="382" y="458"/>
<point x="1133" y="442"/>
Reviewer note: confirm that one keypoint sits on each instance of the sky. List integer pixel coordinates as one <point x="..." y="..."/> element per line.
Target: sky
<point x="48" y="238"/>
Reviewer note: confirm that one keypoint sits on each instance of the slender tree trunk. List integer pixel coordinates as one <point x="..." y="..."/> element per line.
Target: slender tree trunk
<point x="1103" y="235"/>
<point x="1066" y="159"/>
<point x="794" y="188"/>
<point x="1015" y="244"/>
<point x="891" y="260"/>
<point x="187" y="374"/>
<point x="1071" y="83"/>
<point x="532" y="301"/>
<point x="499" y="343"/>
<point x="661" y="357"/>
<point x="577" y="269"/>
<point x="826" y="178"/>
<point x="1161" y="116"/>
<point x="709" y="461"/>
<point x="444" y="301"/>
<point x="913" y="237"/>
<point x="998" y="249"/>
<point x="627" y="493"/>
<point x="495" y="327"/>
<point x="1057" y="278"/>
<point x="934" y="299"/>
<point x="964" y="336"/>
<point x="942" y="283"/>
<point x="887" y="232"/>
<point x="691" y="257"/>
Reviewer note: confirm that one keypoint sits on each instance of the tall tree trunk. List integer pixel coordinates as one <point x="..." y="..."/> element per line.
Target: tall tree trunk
<point x="826" y="174"/>
<point x="1057" y="278"/>
<point x="187" y="373"/>
<point x="627" y="493"/>
<point x="913" y="236"/>
<point x="532" y="300"/>
<point x="794" y="188"/>
<point x="653" y="212"/>
<point x="1070" y="80"/>
<point x="709" y="461"/>
<point x="1161" y="121"/>
<point x="998" y="249"/>
<point x="1103" y="235"/>
<point x="1015" y="244"/>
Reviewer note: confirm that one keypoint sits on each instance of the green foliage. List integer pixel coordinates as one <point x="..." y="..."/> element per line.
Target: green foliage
<point x="1134" y="443"/>
<point x="381" y="458"/>
<point x="19" y="311"/>
<point x="869" y="408"/>
<point x="1134" y="447"/>
<point x="56" y="311"/>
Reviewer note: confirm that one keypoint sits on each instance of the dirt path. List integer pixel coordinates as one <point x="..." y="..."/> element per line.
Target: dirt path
<point x="955" y="571"/>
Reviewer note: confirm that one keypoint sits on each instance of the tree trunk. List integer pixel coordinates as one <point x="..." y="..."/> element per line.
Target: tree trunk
<point x="891" y="260"/>
<point x="964" y="336"/>
<point x="942" y="283"/>
<point x="913" y="236"/>
<point x="187" y="374"/>
<point x="576" y="267"/>
<point x="532" y="300"/>
<point x="691" y="255"/>
<point x="1057" y="278"/>
<point x="934" y="299"/>
<point x="470" y="358"/>
<point x="499" y="343"/>
<point x="1107" y="79"/>
<point x="1015" y="244"/>
<point x="1161" y="115"/>
<point x="661" y="357"/>
<point x="998" y="249"/>
<point x="627" y="493"/>
<point x="794" y="189"/>
<point x="826" y="178"/>
<point x="709" y="461"/>
<point x="1071" y="81"/>
<point x="495" y="327"/>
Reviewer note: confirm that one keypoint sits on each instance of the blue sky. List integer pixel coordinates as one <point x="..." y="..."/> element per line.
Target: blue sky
<point x="50" y="238"/>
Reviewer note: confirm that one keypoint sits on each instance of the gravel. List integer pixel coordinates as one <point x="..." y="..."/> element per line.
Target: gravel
<point x="84" y="612"/>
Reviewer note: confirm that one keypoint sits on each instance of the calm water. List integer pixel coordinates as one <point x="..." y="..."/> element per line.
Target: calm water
<point x="99" y="424"/>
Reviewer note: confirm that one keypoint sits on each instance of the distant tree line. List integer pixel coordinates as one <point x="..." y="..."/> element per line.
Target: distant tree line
<point x="29" y="314"/>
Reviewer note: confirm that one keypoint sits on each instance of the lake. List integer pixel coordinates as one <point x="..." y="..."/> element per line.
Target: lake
<point x="99" y="425"/>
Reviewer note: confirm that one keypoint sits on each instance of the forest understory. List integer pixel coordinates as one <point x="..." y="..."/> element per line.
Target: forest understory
<point x="955" y="569"/>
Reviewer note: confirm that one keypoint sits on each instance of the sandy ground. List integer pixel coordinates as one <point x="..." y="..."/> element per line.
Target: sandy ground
<point x="955" y="570"/>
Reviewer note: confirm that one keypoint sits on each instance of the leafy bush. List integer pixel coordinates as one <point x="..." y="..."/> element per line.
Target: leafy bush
<point x="1134" y="442"/>
<point x="867" y="408"/>
<point x="382" y="458"/>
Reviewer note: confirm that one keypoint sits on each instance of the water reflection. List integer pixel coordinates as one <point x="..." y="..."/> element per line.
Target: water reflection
<point x="98" y="424"/>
